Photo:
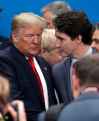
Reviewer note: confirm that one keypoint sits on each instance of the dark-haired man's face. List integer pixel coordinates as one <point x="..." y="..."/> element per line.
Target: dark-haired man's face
<point x="95" y="39"/>
<point x="68" y="45"/>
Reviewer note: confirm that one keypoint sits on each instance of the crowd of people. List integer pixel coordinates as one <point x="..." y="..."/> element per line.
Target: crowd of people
<point x="49" y="67"/>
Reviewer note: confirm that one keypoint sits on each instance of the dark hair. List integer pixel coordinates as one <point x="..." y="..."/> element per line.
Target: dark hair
<point x="75" y="23"/>
<point x="87" y="70"/>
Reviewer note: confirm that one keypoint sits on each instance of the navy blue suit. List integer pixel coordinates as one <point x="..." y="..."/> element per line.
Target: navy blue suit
<point x="84" y="108"/>
<point x="14" y="65"/>
<point x="61" y="74"/>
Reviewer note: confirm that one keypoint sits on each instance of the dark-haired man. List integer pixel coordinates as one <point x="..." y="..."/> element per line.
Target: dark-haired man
<point x="86" y="81"/>
<point x="74" y="30"/>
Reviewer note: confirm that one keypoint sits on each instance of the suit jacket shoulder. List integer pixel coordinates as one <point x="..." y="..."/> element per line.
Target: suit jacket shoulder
<point x="82" y="109"/>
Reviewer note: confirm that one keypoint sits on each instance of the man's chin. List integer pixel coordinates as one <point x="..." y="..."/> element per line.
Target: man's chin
<point x="35" y="53"/>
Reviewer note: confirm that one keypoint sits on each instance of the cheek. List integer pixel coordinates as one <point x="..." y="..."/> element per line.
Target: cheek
<point x="56" y="55"/>
<point x="97" y="45"/>
<point x="97" y="48"/>
<point x="26" y="44"/>
<point x="66" y="46"/>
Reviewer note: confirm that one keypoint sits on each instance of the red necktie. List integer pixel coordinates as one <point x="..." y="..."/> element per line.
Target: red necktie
<point x="35" y="73"/>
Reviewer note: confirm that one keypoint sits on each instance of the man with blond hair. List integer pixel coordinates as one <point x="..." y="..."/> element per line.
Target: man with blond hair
<point x="29" y="75"/>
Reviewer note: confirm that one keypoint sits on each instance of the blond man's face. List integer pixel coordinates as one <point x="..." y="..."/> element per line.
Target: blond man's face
<point x="29" y="40"/>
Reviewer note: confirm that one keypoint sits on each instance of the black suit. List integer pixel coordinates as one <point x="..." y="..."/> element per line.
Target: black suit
<point x="24" y="86"/>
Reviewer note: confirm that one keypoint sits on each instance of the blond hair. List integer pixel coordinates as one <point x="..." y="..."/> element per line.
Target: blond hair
<point x="22" y="19"/>
<point x="48" y="39"/>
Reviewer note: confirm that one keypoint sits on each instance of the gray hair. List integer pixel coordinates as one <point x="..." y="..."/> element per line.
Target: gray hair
<point x="57" y="7"/>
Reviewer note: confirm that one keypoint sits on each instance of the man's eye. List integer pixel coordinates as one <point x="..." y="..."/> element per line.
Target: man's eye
<point x="38" y="35"/>
<point x="59" y="38"/>
<point x="28" y="35"/>
<point x="96" y="40"/>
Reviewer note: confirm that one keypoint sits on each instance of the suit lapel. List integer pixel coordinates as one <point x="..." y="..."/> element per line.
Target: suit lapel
<point x="44" y="67"/>
<point x="26" y="68"/>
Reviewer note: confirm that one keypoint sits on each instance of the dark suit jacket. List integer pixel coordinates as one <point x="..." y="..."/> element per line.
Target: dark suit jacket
<point x="14" y="65"/>
<point x="51" y="114"/>
<point x="85" y="108"/>
<point x="61" y="74"/>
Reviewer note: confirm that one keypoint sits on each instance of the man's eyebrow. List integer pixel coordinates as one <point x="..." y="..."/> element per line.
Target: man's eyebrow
<point x="59" y="37"/>
<point x="95" y="39"/>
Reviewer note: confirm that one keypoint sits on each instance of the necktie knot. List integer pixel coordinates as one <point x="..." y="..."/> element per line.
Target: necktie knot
<point x="30" y="60"/>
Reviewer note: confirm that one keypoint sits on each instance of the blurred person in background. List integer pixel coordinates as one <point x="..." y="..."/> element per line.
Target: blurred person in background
<point x="74" y="30"/>
<point x="51" y="10"/>
<point x="95" y="38"/>
<point x="9" y="111"/>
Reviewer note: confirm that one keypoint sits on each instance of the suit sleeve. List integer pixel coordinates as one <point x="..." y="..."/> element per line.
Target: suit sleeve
<point x="7" y="69"/>
<point x="57" y="81"/>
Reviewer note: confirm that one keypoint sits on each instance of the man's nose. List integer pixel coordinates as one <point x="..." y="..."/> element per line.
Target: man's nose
<point x="58" y="43"/>
<point x="93" y="45"/>
<point x="36" y="39"/>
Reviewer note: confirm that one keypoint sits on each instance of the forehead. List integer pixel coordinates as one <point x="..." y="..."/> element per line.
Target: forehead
<point x="96" y="34"/>
<point x="48" y="15"/>
<point x="31" y="28"/>
<point x="61" y="35"/>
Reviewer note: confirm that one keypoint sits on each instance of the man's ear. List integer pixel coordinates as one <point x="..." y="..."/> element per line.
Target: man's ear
<point x="14" y="37"/>
<point x="75" y="85"/>
<point x="79" y="39"/>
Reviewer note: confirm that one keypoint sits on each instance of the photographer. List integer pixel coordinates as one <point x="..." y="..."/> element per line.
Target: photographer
<point x="13" y="111"/>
